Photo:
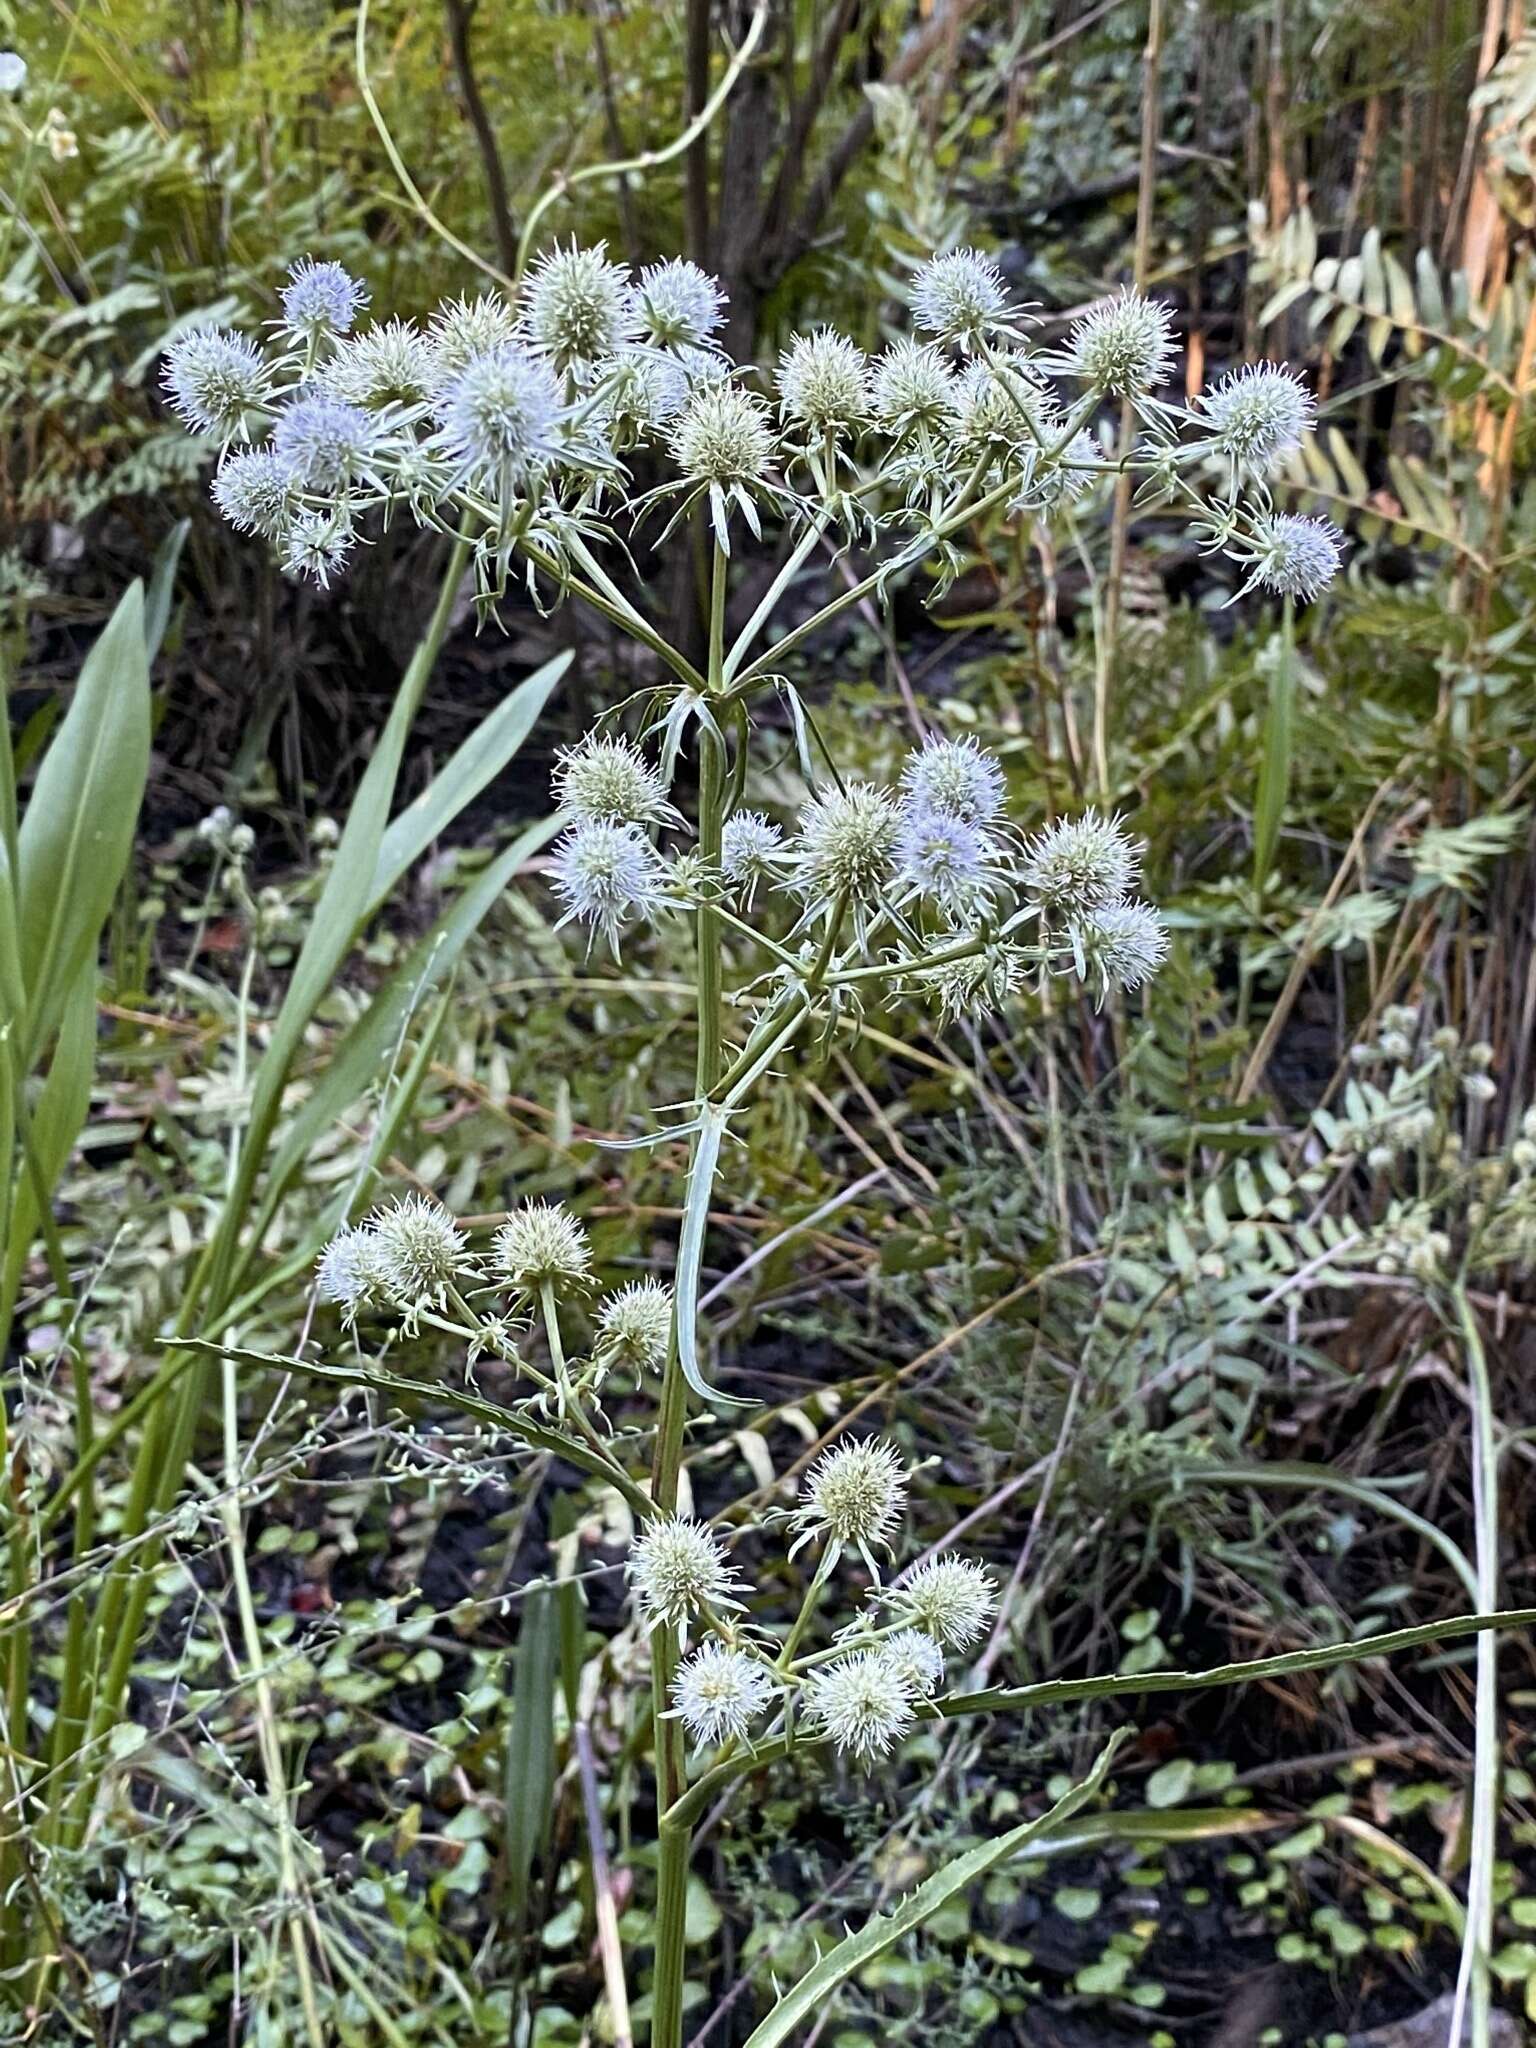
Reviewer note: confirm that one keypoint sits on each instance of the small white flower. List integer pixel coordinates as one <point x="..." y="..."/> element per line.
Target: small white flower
<point x="418" y="1250"/>
<point x="750" y="848"/>
<point x="1123" y="347"/>
<point x="719" y="1692"/>
<point x="391" y="363"/>
<point x="214" y="378"/>
<point x="255" y="491"/>
<point x="347" y="1271"/>
<point x="634" y="1326"/>
<point x="855" y="1494"/>
<point x="317" y="544"/>
<point x="960" y="297"/>
<point x="1079" y="863"/>
<point x="952" y="1599"/>
<point x="917" y="1660"/>
<point x="979" y="985"/>
<point x="677" y="1568"/>
<point x="862" y="1704"/>
<point x="13" y="71"/>
<point x="465" y="328"/>
<point x="541" y="1244"/>
<point x="610" y="780"/>
<point x="913" y="389"/>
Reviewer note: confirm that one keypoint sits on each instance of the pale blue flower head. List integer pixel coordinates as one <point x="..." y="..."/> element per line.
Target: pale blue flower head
<point x="959" y="298"/>
<point x="944" y="858"/>
<point x="1256" y="416"/>
<point x="1293" y="556"/>
<point x="500" y="417"/>
<point x="607" y="874"/>
<point x="213" y="379"/>
<point x="578" y="307"/>
<point x="323" y="441"/>
<point x="317" y="545"/>
<point x="13" y="71"/>
<point x="321" y="299"/>
<point x="678" y="305"/>
<point x="1123" y="347"/>
<point x="1121" y="945"/>
<point x="957" y="776"/>
<point x="255" y="491"/>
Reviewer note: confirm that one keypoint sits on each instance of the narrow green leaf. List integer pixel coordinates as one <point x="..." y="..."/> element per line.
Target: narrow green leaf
<point x="690" y="1253"/>
<point x="529" y="1768"/>
<point x="1275" y="760"/>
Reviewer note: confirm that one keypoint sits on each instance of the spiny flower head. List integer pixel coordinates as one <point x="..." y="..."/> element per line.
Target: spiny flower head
<point x="750" y="848"/>
<point x="1050" y="482"/>
<point x="917" y="1660"/>
<point x="322" y="440"/>
<point x="846" y="843"/>
<point x="944" y="857"/>
<point x="347" y="1271"/>
<point x="957" y="776"/>
<point x="321" y="299"/>
<point x="960" y="297"/>
<point x="855" y="1493"/>
<point x="1257" y="415"/>
<point x="578" y="307"/>
<point x="823" y="381"/>
<point x="951" y="1599"/>
<point x="1124" y="346"/>
<point x="723" y="437"/>
<point x="317" y="544"/>
<point x="418" y="1250"/>
<point x="719" y="1692"/>
<point x="1293" y="556"/>
<point x="213" y="379"/>
<point x="677" y="1568"/>
<point x="255" y="491"/>
<point x="645" y="389"/>
<point x="1078" y="864"/>
<point x="862" y="1704"/>
<point x="389" y="364"/>
<point x="542" y="1245"/>
<point x="1120" y="944"/>
<point x="678" y="304"/>
<point x="605" y="874"/>
<point x="499" y="417"/>
<point x="465" y="328"/>
<point x="998" y="405"/>
<point x="634" y="1326"/>
<point x="609" y="779"/>
<point x="913" y="389"/>
<point x="979" y="985"/>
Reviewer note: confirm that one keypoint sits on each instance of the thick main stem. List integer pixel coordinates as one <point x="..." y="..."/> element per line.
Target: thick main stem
<point x="1477" y="1946"/>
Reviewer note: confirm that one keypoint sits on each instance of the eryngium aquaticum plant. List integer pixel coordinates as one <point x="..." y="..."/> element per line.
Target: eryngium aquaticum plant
<point x="514" y="428"/>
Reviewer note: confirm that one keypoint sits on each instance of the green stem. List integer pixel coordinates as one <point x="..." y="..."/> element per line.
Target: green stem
<point x="1477" y="1940"/>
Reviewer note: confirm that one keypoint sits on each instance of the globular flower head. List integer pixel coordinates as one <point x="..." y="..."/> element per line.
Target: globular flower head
<point x="499" y="417"/>
<point x="465" y="328"/>
<point x="389" y="364"/>
<point x="846" y="844"/>
<point x="719" y="1692"/>
<point x="418" y="1250"/>
<point x="348" y="1271"/>
<point x="1257" y="415"/>
<point x="979" y="985"/>
<point x="578" y="307"/>
<point x="542" y="1245"/>
<point x="917" y="1660"/>
<point x="213" y="379"/>
<point x="317" y="544"/>
<point x="678" y="304"/>
<point x="960" y="297"/>
<point x="634" y="1326"/>
<point x="998" y="405"/>
<point x="1119" y="944"/>
<point x="956" y="776"/>
<point x="606" y="873"/>
<point x="321" y="299"/>
<point x="944" y="858"/>
<point x="645" y="389"/>
<point x="750" y="849"/>
<point x="913" y="389"/>
<point x="855" y="1494"/>
<point x="723" y="437"/>
<point x="1124" y="346"/>
<point x="255" y="491"/>
<point x="823" y="381"/>
<point x="862" y="1704"/>
<point x="323" y="441"/>
<point x="1293" y="556"/>
<point x="1047" y="483"/>
<point x="1078" y="864"/>
<point x="677" y="1569"/>
<point x="951" y="1599"/>
<point x="609" y="779"/>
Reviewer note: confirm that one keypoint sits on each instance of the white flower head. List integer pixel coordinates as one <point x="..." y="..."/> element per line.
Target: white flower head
<point x="678" y="304"/>
<point x="724" y="436"/>
<point x="417" y="1249"/>
<point x="1121" y="945"/>
<point x="917" y="1660"/>
<point x="255" y="491"/>
<point x="1078" y="864"/>
<point x="957" y="776"/>
<point x="845" y="847"/>
<point x="609" y="779"/>
<point x="1293" y="556"/>
<point x="855" y="1494"/>
<point x="1256" y="416"/>
<point x="719" y="1692"/>
<point x="862" y="1704"/>
<point x="317" y="545"/>
<point x="751" y="847"/>
<point x="500" y="418"/>
<point x="606" y="874"/>
<point x="960" y="298"/>
<point x="347" y="1271"/>
<point x="999" y="405"/>
<point x="644" y="389"/>
<point x="542" y="1245"/>
<point x="913" y="389"/>
<point x="392" y="363"/>
<point x="578" y="307"/>
<point x="677" y="1569"/>
<point x="1124" y="346"/>
<point x="634" y="1326"/>
<point x="979" y="985"/>
<point x="214" y="378"/>
<point x="465" y="328"/>
<point x="951" y="1599"/>
<point x="944" y="858"/>
<point x="823" y="381"/>
<point x="321" y="299"/>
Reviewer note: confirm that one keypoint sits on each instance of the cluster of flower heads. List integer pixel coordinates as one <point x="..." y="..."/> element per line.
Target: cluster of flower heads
<point x="922" y="865"/>
<point x="518" y="420"/>
<point x="863" y="1691"/>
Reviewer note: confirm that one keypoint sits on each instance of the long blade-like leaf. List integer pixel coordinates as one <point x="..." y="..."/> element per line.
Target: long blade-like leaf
<point x="690" y="1252"/>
